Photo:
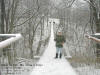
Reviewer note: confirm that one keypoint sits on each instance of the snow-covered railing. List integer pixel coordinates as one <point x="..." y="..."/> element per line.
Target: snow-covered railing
<point x="12" y="38"/>
<point x="95" y="37"/>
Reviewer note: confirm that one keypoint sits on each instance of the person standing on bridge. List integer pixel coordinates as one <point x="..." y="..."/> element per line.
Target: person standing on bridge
<point x="60" y="40"/>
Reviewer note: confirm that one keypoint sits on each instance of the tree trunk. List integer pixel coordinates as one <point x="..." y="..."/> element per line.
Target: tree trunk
<point x="2" y="17"/>
<point x="97" y="23"/>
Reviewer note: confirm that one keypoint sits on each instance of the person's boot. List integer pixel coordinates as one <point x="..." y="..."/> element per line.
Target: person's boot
<point x="56" y="55"/>
<point x="60" y="55"/>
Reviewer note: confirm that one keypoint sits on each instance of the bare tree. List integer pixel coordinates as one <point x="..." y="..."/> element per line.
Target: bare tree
<point x="2" y="3"/>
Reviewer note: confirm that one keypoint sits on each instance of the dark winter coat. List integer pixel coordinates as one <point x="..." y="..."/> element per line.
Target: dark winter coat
<point x="59" y="40"/>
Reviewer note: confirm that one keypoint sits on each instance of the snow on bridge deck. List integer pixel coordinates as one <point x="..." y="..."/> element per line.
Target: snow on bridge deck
<point x="51" y="66"/>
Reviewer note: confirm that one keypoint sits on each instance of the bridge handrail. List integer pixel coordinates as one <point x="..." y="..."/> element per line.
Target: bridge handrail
<point x="93" y="37"/>
<point x="13" y="38"/>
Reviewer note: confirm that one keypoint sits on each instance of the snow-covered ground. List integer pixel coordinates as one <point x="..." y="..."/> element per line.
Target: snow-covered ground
<point x="51" y="66"/>
<point x="88" y="70"/>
